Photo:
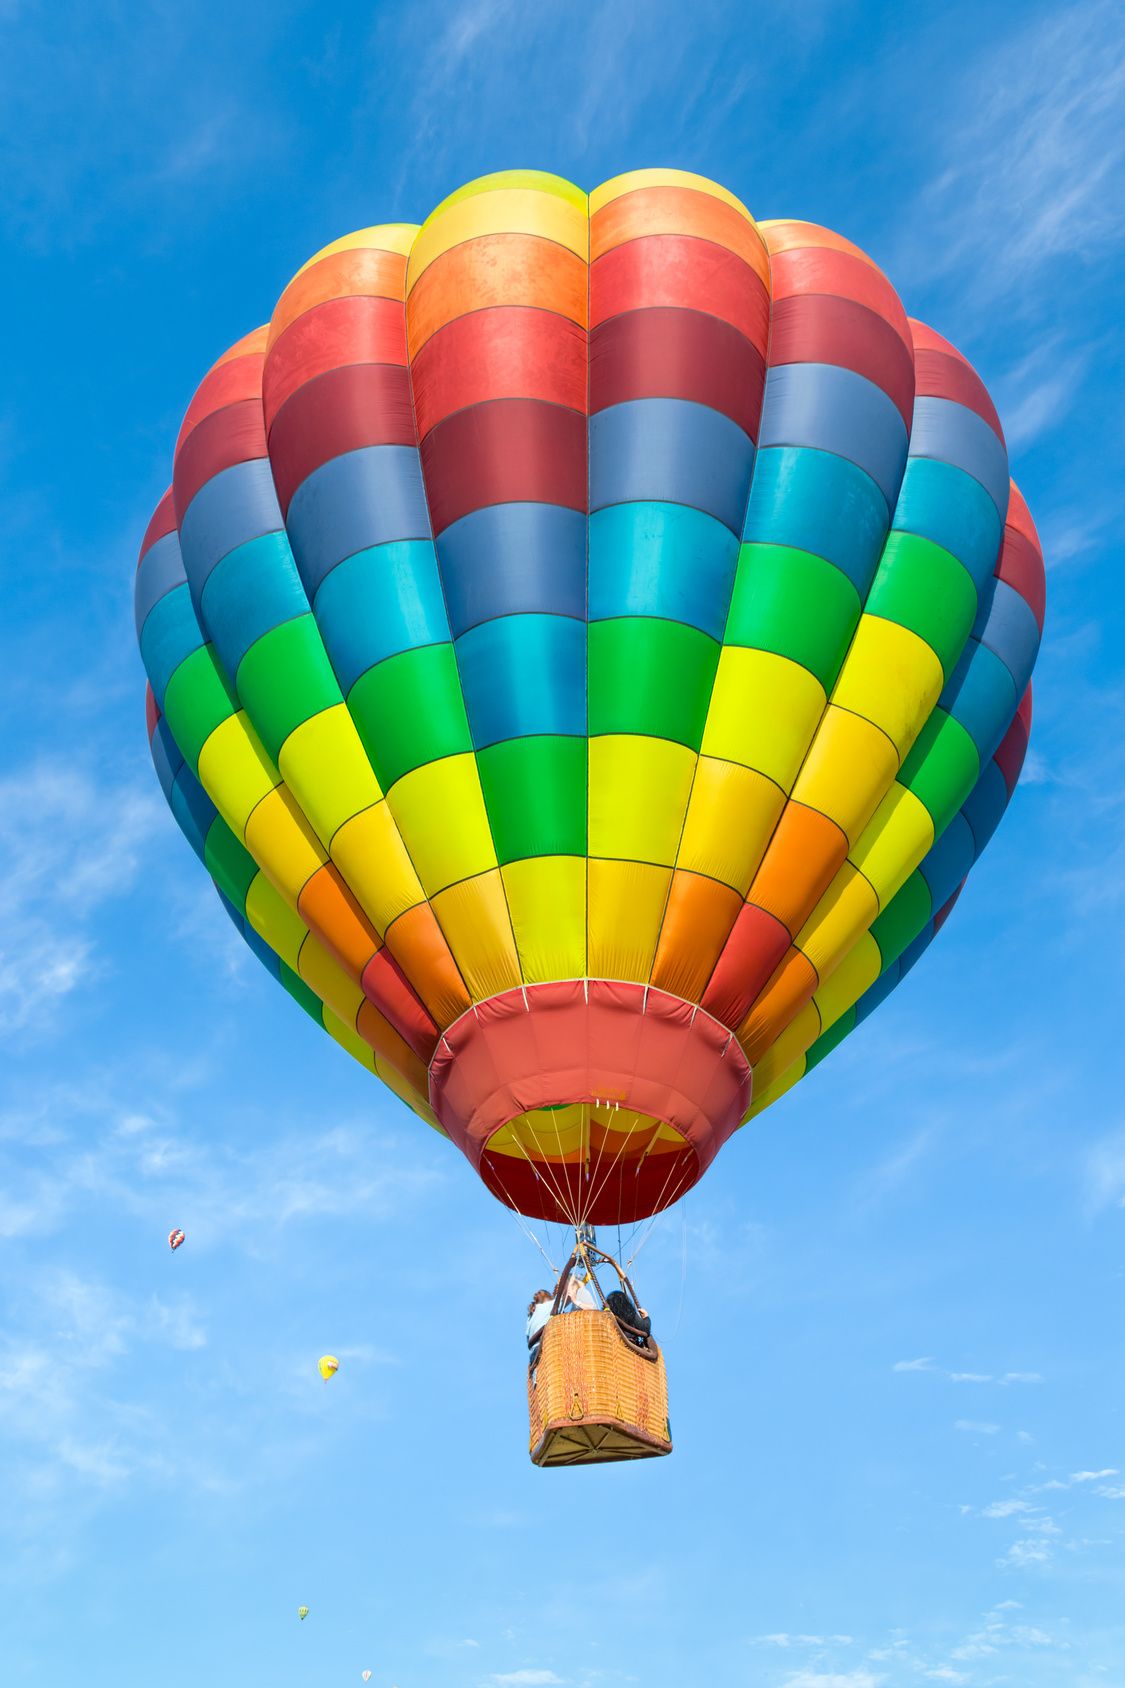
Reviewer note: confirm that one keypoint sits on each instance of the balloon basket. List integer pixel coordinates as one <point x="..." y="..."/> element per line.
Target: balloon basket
<point x="594" y="1396"/>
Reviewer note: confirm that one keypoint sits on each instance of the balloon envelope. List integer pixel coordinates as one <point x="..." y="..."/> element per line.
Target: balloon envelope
<point x="175" y="1239"/>
<point x="328" y="1365"/>
<point x="589" y="642"/>
<point x="302" y="1612"/>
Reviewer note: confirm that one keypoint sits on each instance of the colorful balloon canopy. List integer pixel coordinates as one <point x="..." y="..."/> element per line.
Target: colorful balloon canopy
<point x="175" y="1239"/>
<point x="302" y="1612"/>
<point x="328" y="1365"/>
<point x="589" y="642"/>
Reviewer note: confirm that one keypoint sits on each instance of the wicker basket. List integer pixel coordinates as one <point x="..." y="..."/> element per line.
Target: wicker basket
<point x="594" y="1395"/>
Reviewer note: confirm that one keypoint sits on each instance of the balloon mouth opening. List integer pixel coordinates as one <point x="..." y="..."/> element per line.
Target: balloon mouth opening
<point x="598" y="1162"/>
<point x="589" y="1099"/>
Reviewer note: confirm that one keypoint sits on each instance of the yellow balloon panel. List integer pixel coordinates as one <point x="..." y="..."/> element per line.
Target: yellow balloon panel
<point x="893" y="843"/>
<point x="639" y="790"/>
<point x="547" y="904"/>
<point x="279" y="837"/>
<point x="502" y="211"/>
<point x="890" y="677"/>
<point x="627" y="902"/>
<point x="235" y="771"/>
<point x="850" y="764"/>
<point x="324" y="765"/>
<point x="473" y="914"/>
<point x="370" y="854"/>
<point x="764" y="711"/>
<point x="731" y="814"/>
<point x="439" y="810"/>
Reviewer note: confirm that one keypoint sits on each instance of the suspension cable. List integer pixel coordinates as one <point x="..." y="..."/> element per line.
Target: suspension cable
<point x="518" y="1216"/>
<point x="625" y="1136"/>
<point x="566" y="1203"/>
<point x="660" y="1212"/>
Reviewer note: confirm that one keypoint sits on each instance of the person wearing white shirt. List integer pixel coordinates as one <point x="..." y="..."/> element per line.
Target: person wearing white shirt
<point x="538" y="1313"/>
<point x="579" y="1296"/>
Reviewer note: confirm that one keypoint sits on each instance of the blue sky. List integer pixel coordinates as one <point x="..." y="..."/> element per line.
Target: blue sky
<point x="893" y="1311"/>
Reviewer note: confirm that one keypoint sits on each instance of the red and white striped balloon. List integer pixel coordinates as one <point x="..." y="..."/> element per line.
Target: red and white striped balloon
<point x="175" y="1239"/>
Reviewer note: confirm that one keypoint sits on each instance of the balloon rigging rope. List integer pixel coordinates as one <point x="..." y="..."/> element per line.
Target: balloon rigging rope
<point x="634" y="1232"/>
<point x="645" y="1229"/>
<point x="566" y="1202"/>
<point x="648" y="1226"/>
<point x="575" y="1198"/>
<point x="596" y="1194"/>
<point x="661" y="1210"/>
<point x="577" y="1214"/>
<point x="561" y="1197"/>
<point x="683" y="1265"/>
<point x="525" y="1227"/>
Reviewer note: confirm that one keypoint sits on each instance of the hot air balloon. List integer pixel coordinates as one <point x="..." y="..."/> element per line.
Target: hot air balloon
<point x="328" y="1365"/>
<point x="366" y="1675"/>
<point x="175" y="1240"/>
<point x="589" y="641"/>
<point x="302" y="1612"/>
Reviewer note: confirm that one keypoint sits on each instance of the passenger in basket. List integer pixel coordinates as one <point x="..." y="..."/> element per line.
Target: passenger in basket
<point x="538" y="1312"/>
<point x="635" y="1322"/>
<point x="579" y="1297"/>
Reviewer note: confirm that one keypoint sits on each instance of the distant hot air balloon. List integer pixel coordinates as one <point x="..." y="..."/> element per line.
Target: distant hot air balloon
<point x="175" y="1239"/>
<point x="366" y="1675"/>
<point x="589" y="642"/>
<point x="328" y="1365"/>
<point x="302" y="1612"/>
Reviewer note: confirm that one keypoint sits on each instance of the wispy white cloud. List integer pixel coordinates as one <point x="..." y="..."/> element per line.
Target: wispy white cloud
<point x="177" y="1322"/>
<point x="1003" y="1380"/>
<point x="976" y="1427"/>
<point x="525" y="1678"/>
<point x="860" y="1678"/>
<point x="781" y="1638"/>
<point x="1104" y="1172"/>
<point x="64" y="181"/>
<point x="1034" y="146"/>
<point x="1073" y="534"/>
<point x="73" y="1423"/>
<point x="58" y="1405"/>
<point x="1002" y="1637"/>
<point x="444" y="1647"/>
<point x="1005" y="1508"/>
<point x="1028" y="1551"/>
<point x="69" y="843"/>
<point x="1039" y="392"/>
<point x="89" y="1146"/>
<point x="896" y="1169"/>
<point x="1035" y="1546"/>
<point x="998" y="1634"/>
<point x="203" y="146"/>
<point x="1042" y="1537"/>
